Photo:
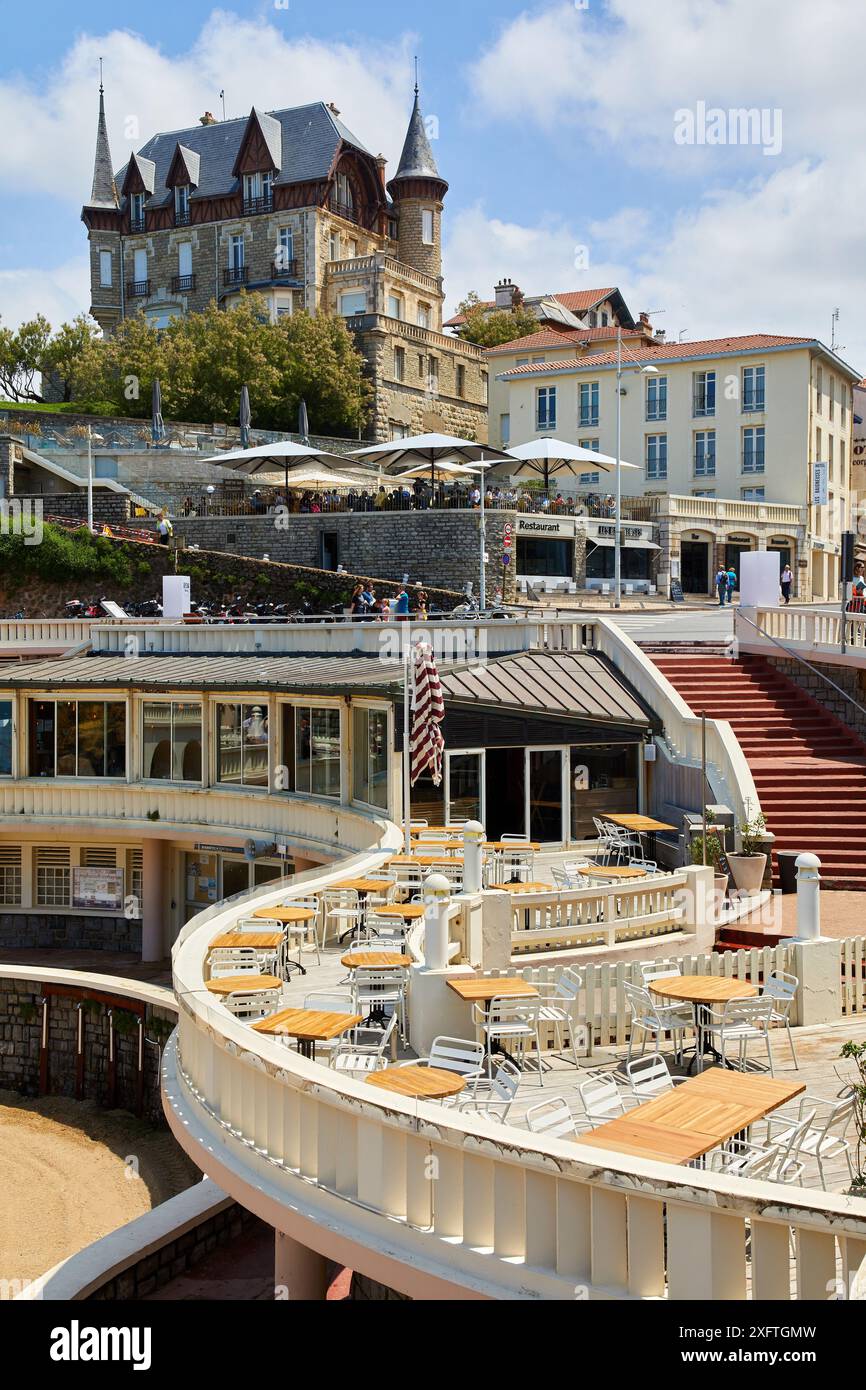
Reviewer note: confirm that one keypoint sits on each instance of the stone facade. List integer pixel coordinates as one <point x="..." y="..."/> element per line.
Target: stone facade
<point x="179" y="1255"/>
<point x="440" y="546"/>
<point x="849" y="678"/>
<point x="20" y="1037"/>
<point x="59" y="932"/>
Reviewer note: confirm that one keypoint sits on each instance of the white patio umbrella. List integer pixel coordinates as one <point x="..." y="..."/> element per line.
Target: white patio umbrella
<point x="266" y="458"/>
<point x="443" y="471"/>
<point x="430" y="449"/>
<point x="551" y="456"/>
<point x="311" y="475"/>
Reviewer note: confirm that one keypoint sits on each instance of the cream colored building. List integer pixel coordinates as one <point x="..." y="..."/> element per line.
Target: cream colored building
<point x="744" y="419"/>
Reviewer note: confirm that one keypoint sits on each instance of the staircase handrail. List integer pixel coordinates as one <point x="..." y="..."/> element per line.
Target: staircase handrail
<point x="739" y="616"/>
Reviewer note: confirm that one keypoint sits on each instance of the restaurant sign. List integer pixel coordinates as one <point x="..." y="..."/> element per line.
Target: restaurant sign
<point x="551" y="527"/>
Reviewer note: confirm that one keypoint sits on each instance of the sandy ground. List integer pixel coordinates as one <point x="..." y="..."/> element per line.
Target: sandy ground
<point x="70" y="1173"/>
<point x="842" y="915"/>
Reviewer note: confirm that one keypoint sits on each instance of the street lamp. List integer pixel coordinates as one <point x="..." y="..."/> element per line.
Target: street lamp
<point x="91" y="437"/>
<point x="620" y="371"/>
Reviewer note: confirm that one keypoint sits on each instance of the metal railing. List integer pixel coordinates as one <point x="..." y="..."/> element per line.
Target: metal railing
<point x="235" y="275"/>
<point x="179" y="283"/>
<point x="264" y="203"/>
<point x="137" y="289"/>
<point x="284" y="270"/>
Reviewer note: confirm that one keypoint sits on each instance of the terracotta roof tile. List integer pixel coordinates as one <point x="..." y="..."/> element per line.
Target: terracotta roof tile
<point x="562" y="337"/>
<point x="674" y="352"/>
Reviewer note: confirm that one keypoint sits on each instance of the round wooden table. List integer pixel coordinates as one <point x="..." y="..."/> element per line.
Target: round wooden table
<point x="527" y="888"/>
<point x="361" y="886"/>
<point x="410" y="912"/>
<point x="244" y="984"/>
<point x="700" y="990"/>
<point x="420" y="1083"/>
<point x="376" y="960"/>
<point x="289" y="916"/>
<point x="614" y="871"/>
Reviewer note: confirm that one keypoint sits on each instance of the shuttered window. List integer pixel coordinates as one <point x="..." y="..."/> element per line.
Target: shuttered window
<point x="53" y="876"/>
<point x="10" y="875"/>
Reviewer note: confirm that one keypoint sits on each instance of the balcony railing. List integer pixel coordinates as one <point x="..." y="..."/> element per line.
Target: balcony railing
<point x="180" y="283"/>
<point x="265" y="203"/>
<point x="236" y="275"/>
<point x="137" y="289"/>
<point x="137" y="224"/>
<point x="284" y="270"/>
<point x="344" y="210"/>
<point x="181" y="219"/>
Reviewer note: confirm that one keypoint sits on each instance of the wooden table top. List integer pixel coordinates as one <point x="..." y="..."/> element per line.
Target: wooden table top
<point x="285" y="914"/>
<point x="250" y="940"/>
<point x="410" y="912"/>
<point x="311" y="1025"/>
<point x="518" y="848"/>
<point x="424" y="859"/>
<point x="695" y="1117"/>
<point x="527" y="888"/>
<point x="634" y="822"/>
<point x="505" y="987"/>
<point x="419" y="831"/>
<point x="363" y="885"/>
<point x="422" y="1083"/>
<point x="702" y="989"/>
<point x="623" y="871"/>
<point x="376" y="960"/>
<point x="244" y="984"/>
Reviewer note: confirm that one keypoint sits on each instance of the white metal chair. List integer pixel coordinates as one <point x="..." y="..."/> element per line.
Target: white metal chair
<point x="341" y="912"/>
<point x="602" y="1099"/>
<point x="235" y="960"/>
<point x="305" y="934"/>
<point x="775" y="1162"/>
<point x="655" y="970"/>
<point x="825" y="1137"/>
<point x="252" y="1006"/>
<point x="650" y="1076"/>
<point x="463" y="1056"/>
<point x="493" y="1093"/>
<point x="559" y="1007"/>
<point x="380" y="992"/>
<point x="364" y="1049"/>
<point x="511" y="1023"/>
<point x="621" y="842"/>
<point x="738" y="1023"/>
<point x="652" y="1020"/>
<point x="649" y="866"/>
<point x="331" y="1001"/>
<point x="553" y="1119"/>
<point x="782" y="989"/>
<point x="604" y="840"/>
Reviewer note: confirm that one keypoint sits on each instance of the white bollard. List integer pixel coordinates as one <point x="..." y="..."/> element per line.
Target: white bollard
<point x="808" y="897"/>
<point x="473" y="856"/>
<point x="436" y="895"/>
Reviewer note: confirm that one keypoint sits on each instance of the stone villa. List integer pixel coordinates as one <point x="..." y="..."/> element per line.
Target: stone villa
<point x="290" y="205"/>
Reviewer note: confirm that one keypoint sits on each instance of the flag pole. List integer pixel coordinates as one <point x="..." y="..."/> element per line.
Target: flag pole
<point x="407" y="736"/>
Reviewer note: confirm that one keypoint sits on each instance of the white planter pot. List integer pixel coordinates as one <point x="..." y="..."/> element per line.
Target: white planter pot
<point x="748" y="871"/>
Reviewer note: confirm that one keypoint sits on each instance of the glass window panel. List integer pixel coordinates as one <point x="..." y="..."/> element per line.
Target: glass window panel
<point x="156" y="741"/>
<point x="377" y="740"/>
<point x="464" y="787"/>
<point x="229" y="752"/>
<point x="254" y="731"/>
<point x="545" y="794"/>
<point x="5" y="738"/>
<point x="303" y="750"/>
<point x="325" y="752"/>
<point x="115" y="739"/>
<point x="91" y="738"/>
<point x="41" y="735"/>
<point x="66" y="761"/>
<point x="603" y="780"/>
<point x="186" y="741"/>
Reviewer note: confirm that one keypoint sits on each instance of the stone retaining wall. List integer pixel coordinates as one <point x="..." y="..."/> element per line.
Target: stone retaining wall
<point x="177" y="1256"/>
<point x="57" y="931"/>
<point x="848" y="678"/>
<point x="20" y="1036"/>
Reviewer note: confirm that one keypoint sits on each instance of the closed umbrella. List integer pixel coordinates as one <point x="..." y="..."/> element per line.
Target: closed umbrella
<point x="157" y="426"/>
<point x="245" y="416"/>
<point x="303" y="422"/>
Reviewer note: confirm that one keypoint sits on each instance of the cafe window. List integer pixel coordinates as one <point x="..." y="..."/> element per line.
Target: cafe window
<point x="5" y="738"/>
<point x="242" y="745"/>
<point x="77" y="738"/>
<point x="370" y="756"/>
<point x="171" y="740"/>
<point x="603" y="782"/>
<point x="311" y="749"/>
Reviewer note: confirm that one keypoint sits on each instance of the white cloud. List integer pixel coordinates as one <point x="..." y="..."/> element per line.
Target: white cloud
<point x="49" y="123"/>
<point x="58" y="293"/>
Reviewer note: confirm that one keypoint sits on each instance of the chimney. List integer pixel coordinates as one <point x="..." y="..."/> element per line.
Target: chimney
<point x="207" y="119"/>
<point x="505" y="293"/>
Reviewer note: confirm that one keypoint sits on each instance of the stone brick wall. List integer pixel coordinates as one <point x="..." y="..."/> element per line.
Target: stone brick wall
<point x="179" y="1255"/>
<point x="412" y="403"/>
<point x="58" y="931"/>
<point x="20" y="1035"/>
<point x="440" y="544"/>
<point x="851" y="680"/>
<point x="109" y="507"/>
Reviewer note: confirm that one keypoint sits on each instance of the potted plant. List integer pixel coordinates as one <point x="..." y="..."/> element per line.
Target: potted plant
<point x="856" y="1052"/>
<point x="749" y="863"/>
<point x="713" y="856"/>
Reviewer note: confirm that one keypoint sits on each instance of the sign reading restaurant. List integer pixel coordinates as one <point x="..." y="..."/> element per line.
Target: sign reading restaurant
<point x="542" y="526"/>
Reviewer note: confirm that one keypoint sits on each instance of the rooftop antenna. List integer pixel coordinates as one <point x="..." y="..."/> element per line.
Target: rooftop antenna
<point x="834" y="346"/>
<point x="416" y="75"/>
<point x="223" y="100"/>
<point x="101" y="88"/>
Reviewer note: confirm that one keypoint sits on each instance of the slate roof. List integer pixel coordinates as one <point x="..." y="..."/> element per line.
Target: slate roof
<point x="417" y="160"/>
<point x="103" y="193"/>
<point x="305" y="139"/>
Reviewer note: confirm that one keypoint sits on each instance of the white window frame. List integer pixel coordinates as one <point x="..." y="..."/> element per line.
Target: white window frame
<point x="755" y="431"/>
<point x="704" y="412"/>
<point x="655" y="475"/>
<point x="396" y="301"/>
<point x="588" y="391"/>
<point x="181" y="200"/>
<point x="106" y="259"/>
<point x="428" y="227"/>
<point x="371" y="707"/>
<point x="755" y="375"/>
<point x="564" y="751"/>
<point x="482" y="788"/>
<point x="193" y="699"/>
<point x="184" y="250"/>
<point x="706" y="439"/>
<point x="657" y="387"/>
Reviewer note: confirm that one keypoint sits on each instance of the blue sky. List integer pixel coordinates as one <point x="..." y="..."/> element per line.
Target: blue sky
<point x="557" y="130"/>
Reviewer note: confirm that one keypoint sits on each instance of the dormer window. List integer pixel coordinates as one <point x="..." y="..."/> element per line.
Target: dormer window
<point x="181" y="205"/>
<point x="259" y="192"/>
<point x="343" y="198"/>
<point x="136" y="212"/>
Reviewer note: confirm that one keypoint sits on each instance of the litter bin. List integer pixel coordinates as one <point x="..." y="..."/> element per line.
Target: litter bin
<point x="787" y="859"/>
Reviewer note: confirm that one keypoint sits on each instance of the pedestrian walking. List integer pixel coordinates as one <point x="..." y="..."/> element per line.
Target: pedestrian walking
<point x="733" y="583"/>
<point x="722" y="585"/>
<point x="401" y="611"/>
<point x="165" y="529"/>
<point x="787" y="583"/>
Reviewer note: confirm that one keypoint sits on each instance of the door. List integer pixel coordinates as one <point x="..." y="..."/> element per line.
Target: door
<point x="546" y="794"/>
<point x="505" y="792"/>
<point x="696" y="567"/>
<point x="464" y="787"/>
<point x="236" y="877"/>
<point x="330" y="550"/>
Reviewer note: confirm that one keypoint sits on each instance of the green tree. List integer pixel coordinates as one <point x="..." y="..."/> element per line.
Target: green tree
<point x="73" y="355"/>
<point x="490" y="329"/>
<point x="22" y="354"/>
<point x="319" y="363"/>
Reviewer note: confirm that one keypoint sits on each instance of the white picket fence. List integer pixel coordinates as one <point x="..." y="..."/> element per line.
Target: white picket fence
<point x="854" y="975"/>
<point x="562" y="920"/>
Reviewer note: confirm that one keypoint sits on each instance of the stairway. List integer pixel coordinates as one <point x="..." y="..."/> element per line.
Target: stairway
<point x="809" y="768"/>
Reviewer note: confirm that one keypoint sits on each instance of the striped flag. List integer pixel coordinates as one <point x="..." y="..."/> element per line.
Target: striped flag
<point x="426" y="744"/>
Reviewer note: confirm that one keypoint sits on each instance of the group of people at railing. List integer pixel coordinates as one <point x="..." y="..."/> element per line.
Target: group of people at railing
<point x="418" y="496"/>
